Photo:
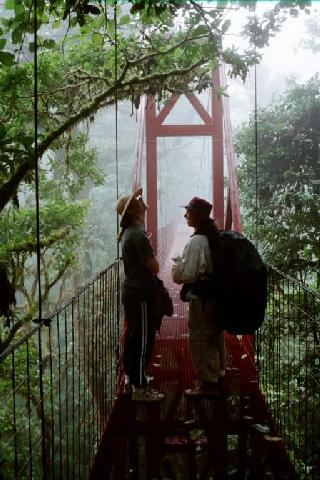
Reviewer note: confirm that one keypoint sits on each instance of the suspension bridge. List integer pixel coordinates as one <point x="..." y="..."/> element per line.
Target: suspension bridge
<point x="71" y="416"/>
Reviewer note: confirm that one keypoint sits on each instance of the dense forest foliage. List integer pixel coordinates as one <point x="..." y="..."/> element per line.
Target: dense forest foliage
<point x="279" y="177"/>
<point x="279" y="180"/>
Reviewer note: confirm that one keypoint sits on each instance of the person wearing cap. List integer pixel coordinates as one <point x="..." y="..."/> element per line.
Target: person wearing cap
<point x="140" y="266"/>
<point x="206" y="337"/>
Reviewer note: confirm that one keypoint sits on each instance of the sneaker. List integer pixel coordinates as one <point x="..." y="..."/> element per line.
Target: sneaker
<point x="149" y="379"/>
<point x="127" y="388"/>
<point x="147" y="395"/>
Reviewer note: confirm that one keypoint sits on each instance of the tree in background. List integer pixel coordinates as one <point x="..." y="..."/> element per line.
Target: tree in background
<point x="58" y="70"/>
<point x="280" y="194"/>
<point x="100" y="56"/>
<point x="288" y="179"/>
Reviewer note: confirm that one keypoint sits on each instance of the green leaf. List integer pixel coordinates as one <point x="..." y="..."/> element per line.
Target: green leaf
<point x="56" y="24"/>
<point x="49" y="43"/>
<point x="225" y="26"/>
<point x="3" y="41"/>
<point x="27" y="140"/>
<point x="9" y="4"/>
<point x="200" y="30"/>
<point x="73" y="21"/>
<point x="17" y="33"/>
<point x="124" y="20"/>
<point x="2" y="131"/>
<point x="97" y="39"/>
<point x="294" y="12"/>
<point x="18" y="9"/>
<point x="7" y="59"/>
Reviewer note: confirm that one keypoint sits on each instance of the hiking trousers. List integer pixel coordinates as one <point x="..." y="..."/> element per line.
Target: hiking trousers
<point x="139" y="339"/>
<point x="206" y="340"/>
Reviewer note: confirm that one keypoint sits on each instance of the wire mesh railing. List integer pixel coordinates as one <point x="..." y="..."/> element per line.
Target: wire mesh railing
<point x="288" y="349"/>
<point x="165" y="238"/>
<point x="58" y="384"/>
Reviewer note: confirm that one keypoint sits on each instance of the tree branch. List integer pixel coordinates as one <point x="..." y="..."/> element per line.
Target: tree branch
<point x="5" y="344"/>
<point x="8" y="188"/>
<point x="185" y="40"/>
<point x="199" y="9"/>
<point x="60" y="273"/>
<point x="99" y="99"/>
<point x="31" y="246"/>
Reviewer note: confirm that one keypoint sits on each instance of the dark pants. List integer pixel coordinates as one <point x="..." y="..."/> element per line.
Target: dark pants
<point x="139" y="339"/>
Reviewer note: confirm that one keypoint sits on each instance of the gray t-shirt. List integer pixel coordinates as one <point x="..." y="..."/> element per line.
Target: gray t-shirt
<point x="136" y="250"/>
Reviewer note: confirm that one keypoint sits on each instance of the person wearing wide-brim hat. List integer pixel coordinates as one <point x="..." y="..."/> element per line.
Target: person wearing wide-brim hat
<point x="193" y="270"/>
<point x="140" y="265"/>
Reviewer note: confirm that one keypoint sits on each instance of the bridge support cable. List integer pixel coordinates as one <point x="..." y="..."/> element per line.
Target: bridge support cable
<point x="233" y="204"/>
<point x="116" y="112"/>
<point x="38" y="251"/>
<point x="139" y="147"/>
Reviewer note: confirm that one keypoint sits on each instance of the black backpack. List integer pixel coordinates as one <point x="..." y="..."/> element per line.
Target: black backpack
<point x="238" y="283"/>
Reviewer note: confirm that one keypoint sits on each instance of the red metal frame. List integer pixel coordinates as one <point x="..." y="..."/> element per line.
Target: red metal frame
<point x="212" y="126"/>
<point x="139" y="144"/>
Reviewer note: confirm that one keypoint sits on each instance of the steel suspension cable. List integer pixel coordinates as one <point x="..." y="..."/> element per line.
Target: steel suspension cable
<point x="38" y="253"/>
<point x="116" y="113"/>
<point x="202" y="169"/>
<point x="118" y="283"/>
<point x="256" y="341"/>
<point x="256" y="152"/>
<point x="36" y="165"/>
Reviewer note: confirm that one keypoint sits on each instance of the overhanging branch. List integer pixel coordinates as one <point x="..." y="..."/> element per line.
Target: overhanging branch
<point x="31" y="245"/>
<point x="8" y="189"/>
<point x="101" y="98"/>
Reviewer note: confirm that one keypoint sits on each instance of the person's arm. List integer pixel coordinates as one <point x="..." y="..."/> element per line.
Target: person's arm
<point x="188" y="268"/>
<point x="146" y="254"/>
<point x="152" y="264"/>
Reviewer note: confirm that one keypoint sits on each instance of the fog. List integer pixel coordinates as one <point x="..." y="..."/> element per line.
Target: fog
<point x="184" y="164"/>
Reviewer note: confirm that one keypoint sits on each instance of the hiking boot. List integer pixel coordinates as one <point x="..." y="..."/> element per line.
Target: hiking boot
<point x="147" y="395"/>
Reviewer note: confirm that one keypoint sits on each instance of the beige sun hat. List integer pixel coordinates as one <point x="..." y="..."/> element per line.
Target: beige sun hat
<point x="125" y="200"/>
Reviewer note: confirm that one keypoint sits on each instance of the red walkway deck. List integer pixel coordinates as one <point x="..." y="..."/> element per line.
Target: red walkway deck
<point x="183" y="438"/>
